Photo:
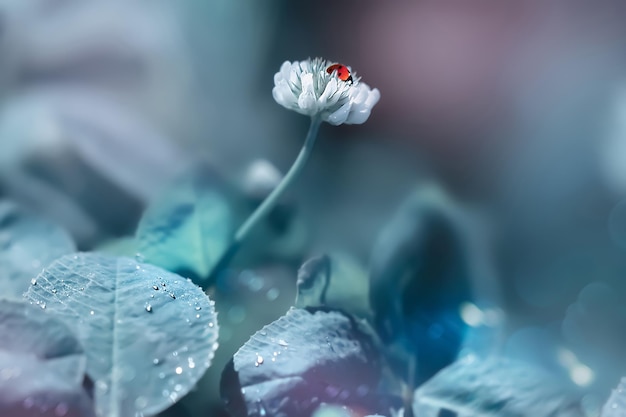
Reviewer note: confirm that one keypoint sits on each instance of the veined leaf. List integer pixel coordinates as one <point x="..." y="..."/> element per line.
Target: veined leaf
<point x="494" y="387"/>
<point x="301" y="360"/>
<point x="148" y="334"/>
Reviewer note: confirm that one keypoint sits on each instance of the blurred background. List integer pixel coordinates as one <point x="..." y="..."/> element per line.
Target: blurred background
<point x="516" y="108"/>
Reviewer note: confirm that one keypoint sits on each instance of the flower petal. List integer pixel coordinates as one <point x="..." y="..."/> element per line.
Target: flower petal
<point x="307" y="100"/>
<point x="306" y="87"/>
<point x="338" y="117"/>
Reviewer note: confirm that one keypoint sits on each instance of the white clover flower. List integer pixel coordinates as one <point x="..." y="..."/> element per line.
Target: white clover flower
<point x="308" y="88"/>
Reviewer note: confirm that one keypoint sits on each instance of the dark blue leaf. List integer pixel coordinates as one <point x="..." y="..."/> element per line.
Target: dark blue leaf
<point x="28" y="243"/>
<point x="425" y="267"/>
<point x="149" y="335"/>
<point x="42" y="365"/>
<point x="301" y="360"/>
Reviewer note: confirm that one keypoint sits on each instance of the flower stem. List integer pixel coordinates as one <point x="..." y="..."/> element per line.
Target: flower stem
<point x="270" y="201"/>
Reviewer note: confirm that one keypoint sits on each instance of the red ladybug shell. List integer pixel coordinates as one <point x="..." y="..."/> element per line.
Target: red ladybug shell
<point x="342" y="72"/>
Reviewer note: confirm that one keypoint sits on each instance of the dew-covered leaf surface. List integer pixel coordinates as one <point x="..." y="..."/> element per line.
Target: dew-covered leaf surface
<point x="188" y="227"/>
<point x="336" y="281"/>
<point x="299" y="361"/>
<point x="425" y="266"/>
<point x="494" y="387"/>
<point x="28" y="243"/>
<point x="42" y="365"/>
<point x="148" y="334"/>
<point x="616" y="404"/>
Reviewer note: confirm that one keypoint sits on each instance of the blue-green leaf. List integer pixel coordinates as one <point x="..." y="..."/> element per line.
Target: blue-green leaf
<point x="336" y="281"/>
<point x="148" y="334"/>
<point x="494" y="387"/>
<point x="188" y="227"/>
<point x="616" y="404"/>
<point x="42" y="365"/>
<point x="28" y="243"/>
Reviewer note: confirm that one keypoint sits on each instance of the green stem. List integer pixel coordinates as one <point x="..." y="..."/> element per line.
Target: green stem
<point x="270" y="201"/>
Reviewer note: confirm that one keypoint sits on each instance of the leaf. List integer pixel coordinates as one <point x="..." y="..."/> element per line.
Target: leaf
<point x="616" y="404"/>
<point x="189" y="227"/>
<point x="42" y="365"/>
<point x="82" y="159"/>
<point x="425" y="267"/>
<point x="27" y="244"/>
<point x="148" y="334"/>
<point x="301" y="360"/>
<point x="336" y="281"/>
<point x="493" y="387"/>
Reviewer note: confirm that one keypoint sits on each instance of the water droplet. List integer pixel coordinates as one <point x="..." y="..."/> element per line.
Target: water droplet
<point x="178" y="370"/>
<point x="42" y="305"/>
<point x="141" y="402"/>
<point x="283" y="343"/>
<point x="102" y="386"/>
<point x="198" y="308"/>
<point x="178" y="387"/>
<point x="272" y="294"/>
<point x="172" y="295"/>
<point x="33" y="282"/>
<point x="243" y="391"/>
<point x="163" y="284"/>
<point x="191" y="362"/>
<point x="156" y="361"/>
<point x="91" y="313"/>
<point x="211" y="324"/>
<point x="54" y="291"/>
<point x="262" y="411"/>
<point x="149" y="308"/>
<point x="61" y="409"/>
<point x="154" y="287"/>
<point x="197" y="316"/>
<point x="259" y="359"/>
<point x="273" y="359"/>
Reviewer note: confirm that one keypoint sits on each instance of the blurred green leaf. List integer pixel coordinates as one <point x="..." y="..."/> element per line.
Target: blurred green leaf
<point x="42" y="365"/>
<point x="189" y="227"/>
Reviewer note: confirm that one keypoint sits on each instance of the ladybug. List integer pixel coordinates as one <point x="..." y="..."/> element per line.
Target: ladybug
<point x="342" y="72"/>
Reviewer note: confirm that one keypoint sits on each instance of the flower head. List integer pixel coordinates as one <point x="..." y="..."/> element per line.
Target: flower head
<point x="308" y="88"/>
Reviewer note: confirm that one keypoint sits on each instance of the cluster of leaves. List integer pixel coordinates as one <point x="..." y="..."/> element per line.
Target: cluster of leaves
<point x="106" y="334"/>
